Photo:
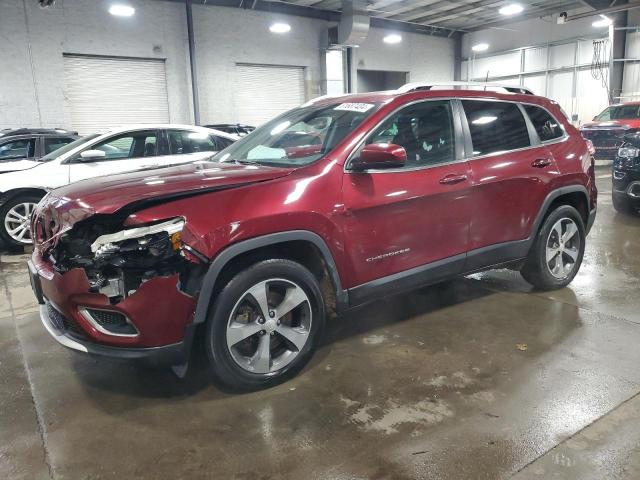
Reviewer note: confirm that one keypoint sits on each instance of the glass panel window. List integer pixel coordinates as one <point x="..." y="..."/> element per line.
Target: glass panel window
<point x="424" y="130"/>
<point x="128" y="145"/>
<point x="495" y="126"/>
<point x="23" y="148"/>
<point x="184" y="141"/>
<point x="51" y="144"/>
<point x="547" y="127"/>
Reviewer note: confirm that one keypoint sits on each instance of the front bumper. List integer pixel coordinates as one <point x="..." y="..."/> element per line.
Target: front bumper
<point x="626" y="184"/>
<point x="66" y="327"/>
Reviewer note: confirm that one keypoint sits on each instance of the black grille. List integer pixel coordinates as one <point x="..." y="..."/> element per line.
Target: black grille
<point x="605" y="141"/>
<point x="111" y="321"/>
<point x="62" y="323"/>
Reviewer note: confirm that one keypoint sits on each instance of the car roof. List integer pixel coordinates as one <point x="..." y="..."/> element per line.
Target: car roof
<point x="390" y="95"/>
<point x="164" y="126"/>
<point x="12" y="132"/>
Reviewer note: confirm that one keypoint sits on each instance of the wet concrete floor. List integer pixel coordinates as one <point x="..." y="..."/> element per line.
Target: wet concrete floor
<point x="476" y="378"/>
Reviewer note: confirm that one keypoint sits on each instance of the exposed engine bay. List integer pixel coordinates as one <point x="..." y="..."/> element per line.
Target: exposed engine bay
<point x="117" y="260"/>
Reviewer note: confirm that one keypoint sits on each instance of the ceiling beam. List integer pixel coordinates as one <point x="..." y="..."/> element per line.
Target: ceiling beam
<point x="604" y="11"/>
<point x="597" y="4"/>
<point x="529" y="14"/>
<point x="446" y="8"/>
<point x="403" y="6"/>
<point x="473" y="7"/>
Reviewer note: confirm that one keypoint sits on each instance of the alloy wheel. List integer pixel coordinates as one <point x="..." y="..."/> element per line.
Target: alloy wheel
<point x="563" y="248"/>
<point x="269" y="326"/>
<point x="17" y="221"/>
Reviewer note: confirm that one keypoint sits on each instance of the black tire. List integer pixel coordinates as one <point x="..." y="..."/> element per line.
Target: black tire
<point x="226" y="371"/>
<point x="536" y="269"/>
<point x="6" y="238"/>
<point x="621" y="203"/>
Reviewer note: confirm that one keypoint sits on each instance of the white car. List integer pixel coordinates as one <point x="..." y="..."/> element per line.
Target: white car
<point x="118" y="150"/>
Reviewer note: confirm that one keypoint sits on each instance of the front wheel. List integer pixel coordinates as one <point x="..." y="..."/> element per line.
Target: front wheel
<point x="15" y="218"/>
<point x="556" y="254"/>
<point x="265" y="325"/>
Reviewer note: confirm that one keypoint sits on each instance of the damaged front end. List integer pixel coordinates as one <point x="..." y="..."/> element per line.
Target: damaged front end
<point x="118" y="262"/>
<point x="116" y="284"/>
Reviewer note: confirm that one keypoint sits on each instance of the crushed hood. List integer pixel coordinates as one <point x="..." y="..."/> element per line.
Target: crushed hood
<point x="128" y="192"/>
<point x="111" y="193"/>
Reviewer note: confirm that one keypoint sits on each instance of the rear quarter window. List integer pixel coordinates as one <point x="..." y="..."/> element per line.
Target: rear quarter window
<point x="547" y="127"/>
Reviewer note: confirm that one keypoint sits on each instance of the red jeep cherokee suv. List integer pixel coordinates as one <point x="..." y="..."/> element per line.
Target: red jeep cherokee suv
<point x="336" y="203"/>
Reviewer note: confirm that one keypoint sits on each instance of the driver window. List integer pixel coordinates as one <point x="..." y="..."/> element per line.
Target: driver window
<point x="128" y="145"/>
<point x="424" y="130"/>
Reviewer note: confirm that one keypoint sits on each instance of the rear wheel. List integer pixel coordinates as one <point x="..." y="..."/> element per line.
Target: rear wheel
<point x="556" y="255"/>
<point x="15" y="219"/>
<point x="265" y="325"/>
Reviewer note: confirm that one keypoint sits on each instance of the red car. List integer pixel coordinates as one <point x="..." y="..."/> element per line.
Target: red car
<point x="251" y="252"/>
<point x="608" y="129"/>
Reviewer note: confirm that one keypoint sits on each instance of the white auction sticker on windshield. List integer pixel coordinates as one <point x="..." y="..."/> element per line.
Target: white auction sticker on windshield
<point x="354" y="107"/>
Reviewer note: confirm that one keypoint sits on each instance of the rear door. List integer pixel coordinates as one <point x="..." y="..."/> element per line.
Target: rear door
<point x="511" y="171"/>
<point x="410" y="217"/>
<point x="124" y="152"/>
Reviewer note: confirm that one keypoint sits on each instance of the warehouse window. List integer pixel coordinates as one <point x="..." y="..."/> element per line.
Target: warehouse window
<point x="495" y="126"/>
<point x="547" y="127"/>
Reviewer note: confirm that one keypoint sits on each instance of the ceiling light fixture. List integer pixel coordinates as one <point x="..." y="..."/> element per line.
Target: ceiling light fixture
<point x="280" y="28"/>
<point x="481" y="47"/>
<point x="121" y="10"/>
<point x="511" y="9"/>
<point x="392" y="38"/>
<point x="603" y="22"/>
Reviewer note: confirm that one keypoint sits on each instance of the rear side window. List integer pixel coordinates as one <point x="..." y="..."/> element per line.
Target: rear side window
<point x="495" y="126"/>
<point x="51" y="144"/>
<point x="24" y="148"/>
<point x="547" y="127"/>
<point x="183" y="141"/>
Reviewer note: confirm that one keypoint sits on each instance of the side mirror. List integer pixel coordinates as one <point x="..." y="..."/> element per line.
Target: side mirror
<point x="92" y="155"/>
<point x="380" y="156"/>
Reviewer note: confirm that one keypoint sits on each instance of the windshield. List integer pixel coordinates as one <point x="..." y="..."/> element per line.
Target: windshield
<point x="298" y="137"/>
<point x="67" y="148"/>
<point x="619" y="113"/>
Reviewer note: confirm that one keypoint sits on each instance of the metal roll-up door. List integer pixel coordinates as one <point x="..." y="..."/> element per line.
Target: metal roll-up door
<point x="265" y="91"/>
<point x="103" y="92"/>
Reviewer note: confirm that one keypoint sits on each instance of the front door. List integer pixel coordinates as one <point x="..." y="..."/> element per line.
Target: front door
<point x="124" y="152"/>
<point x="408" y="218"/>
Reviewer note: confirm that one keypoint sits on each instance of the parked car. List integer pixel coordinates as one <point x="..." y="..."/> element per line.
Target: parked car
<point x="626" y="175"/>
<point x="607" y="130"/>
<point x="120" y="149"/>
<point x="22" y="148"/>
<point x="234" y="128"/>
<point x="407" y="188"/>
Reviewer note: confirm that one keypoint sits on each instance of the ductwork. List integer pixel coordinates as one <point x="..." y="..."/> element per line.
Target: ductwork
<point x="354" y="23"/>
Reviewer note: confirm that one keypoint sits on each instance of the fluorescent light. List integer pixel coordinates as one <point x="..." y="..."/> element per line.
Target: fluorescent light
<point x="481" y="47"/>
<point x="121" y="10"/>
<point x="511" y="9"/>
<point x="603" y="22"/>
<point x="484" y="120"/>
<point x="280" y="28"/>
<point x="392" y="38"/>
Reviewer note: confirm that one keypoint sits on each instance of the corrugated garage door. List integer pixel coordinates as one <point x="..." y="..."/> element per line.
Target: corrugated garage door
<point x="106" y="92"/>
<point x="265" y="91"/>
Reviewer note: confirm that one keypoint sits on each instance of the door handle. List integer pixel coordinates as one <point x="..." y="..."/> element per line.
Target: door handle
<point x="150" y="165"/>
<point x="452" y="179"/>
<point x="541" y="162"/>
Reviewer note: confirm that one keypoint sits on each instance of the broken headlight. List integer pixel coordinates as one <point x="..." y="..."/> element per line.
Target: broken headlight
<point x="139" y="238"/>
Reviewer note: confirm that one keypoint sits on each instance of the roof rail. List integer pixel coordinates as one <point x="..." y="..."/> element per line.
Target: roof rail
<point x="414" y="86"/>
